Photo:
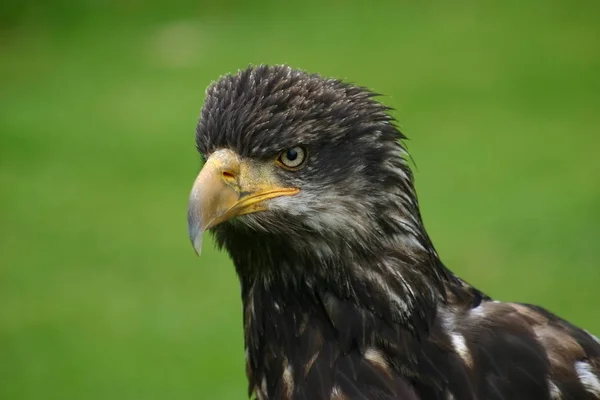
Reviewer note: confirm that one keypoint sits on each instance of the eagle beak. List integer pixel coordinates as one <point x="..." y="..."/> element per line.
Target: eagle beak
<point x="226" y="187"/>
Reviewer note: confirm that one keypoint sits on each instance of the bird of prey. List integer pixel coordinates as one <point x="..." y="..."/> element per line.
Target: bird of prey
<point x="306" y="185"/>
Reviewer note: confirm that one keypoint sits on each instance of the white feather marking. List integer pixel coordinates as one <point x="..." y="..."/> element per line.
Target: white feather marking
<point x="478" y="312"/>
<point x="588" y="378"/>
<point x="460" y="346"/>
<point x="555" y="393"/>
<point x="263" y="385"/>
<point x="251" y="307"/>
<point x="337" y="394"/>
<point x="288" y="380"/>
<point x="375" y="357"/>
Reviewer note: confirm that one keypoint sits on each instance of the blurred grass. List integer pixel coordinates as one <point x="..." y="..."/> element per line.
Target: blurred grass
<point x="101" y="295"/>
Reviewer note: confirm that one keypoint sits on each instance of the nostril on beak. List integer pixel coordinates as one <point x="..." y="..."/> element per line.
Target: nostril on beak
<point x="228" y="177"/>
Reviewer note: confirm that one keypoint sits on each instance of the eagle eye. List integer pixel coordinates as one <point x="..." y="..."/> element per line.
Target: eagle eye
<point x="292" y="158"/>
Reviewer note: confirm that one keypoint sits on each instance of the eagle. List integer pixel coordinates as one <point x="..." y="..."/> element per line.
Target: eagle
<point x="306" y="184"/>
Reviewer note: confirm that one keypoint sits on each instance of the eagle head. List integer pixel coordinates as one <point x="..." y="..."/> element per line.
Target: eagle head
<point x="314" y="165"/>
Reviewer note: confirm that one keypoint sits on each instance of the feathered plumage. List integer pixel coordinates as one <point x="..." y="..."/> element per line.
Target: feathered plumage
<point x="307" y="187"/>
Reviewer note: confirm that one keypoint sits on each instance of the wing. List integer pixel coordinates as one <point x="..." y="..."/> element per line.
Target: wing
<point x="520" y="351"/>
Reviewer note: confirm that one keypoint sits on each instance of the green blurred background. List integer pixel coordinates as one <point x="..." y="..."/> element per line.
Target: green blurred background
<point x="101" y="294"/>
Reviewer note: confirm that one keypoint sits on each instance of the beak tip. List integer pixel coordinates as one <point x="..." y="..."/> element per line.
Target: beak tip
<point x="197" y="243"/>
<point x="194" y="230"/>
<point x="196" y="238"/>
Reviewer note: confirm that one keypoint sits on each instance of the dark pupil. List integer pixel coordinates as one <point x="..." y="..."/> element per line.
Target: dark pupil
<point x="291" y="154"/>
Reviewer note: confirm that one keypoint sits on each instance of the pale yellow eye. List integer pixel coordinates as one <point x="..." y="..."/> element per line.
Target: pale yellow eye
<point x="292" y="158"/>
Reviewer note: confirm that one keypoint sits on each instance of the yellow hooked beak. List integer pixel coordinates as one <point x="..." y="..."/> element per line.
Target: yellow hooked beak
<point x="226" y="187"/>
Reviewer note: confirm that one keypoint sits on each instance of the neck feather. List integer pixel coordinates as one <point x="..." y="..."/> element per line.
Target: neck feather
<point x="309" y="301"/>
<point x="401" y="278"/>
<point x="298" y="322"/>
